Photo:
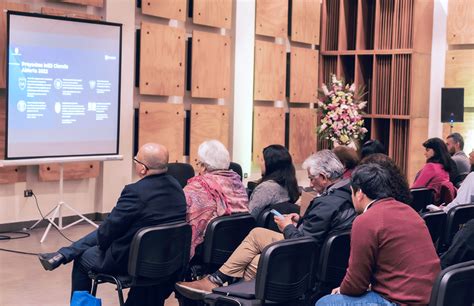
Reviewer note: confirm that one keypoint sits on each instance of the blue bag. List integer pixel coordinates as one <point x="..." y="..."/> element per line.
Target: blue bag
<point x="84" y="298"/>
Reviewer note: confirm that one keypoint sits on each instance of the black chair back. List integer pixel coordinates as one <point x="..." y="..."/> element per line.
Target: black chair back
<point x="266" y="218"/>
<point x="421" y="198"/>
<point x="457" y="217"/>
<point x="454" y="286"/>
<point x="436" y="223"/>
<point x="284" y="270"/>
<point x="181" y="172"/>
<point x="236" y="168"/>
<point x="223" y="236"/>
<point x="159" y="253"/>
<point x="334" y="259"/>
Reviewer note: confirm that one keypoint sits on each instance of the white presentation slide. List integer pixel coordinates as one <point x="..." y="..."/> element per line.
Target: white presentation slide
<point x="63" y="87"/>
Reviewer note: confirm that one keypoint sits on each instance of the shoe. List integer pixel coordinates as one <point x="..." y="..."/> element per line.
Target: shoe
<point x="197" y="289"/>
<point x="51" y="261"/>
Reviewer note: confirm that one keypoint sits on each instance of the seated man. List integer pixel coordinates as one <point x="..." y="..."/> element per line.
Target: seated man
<point x="392" y="258"/>
<point x="332" y="211"/>
<point x="155" y="199"/>
<point x="462" y="247"/>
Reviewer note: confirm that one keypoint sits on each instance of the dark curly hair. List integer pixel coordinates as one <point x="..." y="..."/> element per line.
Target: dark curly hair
<point x="398" y="181"/>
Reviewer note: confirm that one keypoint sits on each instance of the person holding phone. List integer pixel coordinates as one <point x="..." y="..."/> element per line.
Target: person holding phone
<point x="330" y="212"/>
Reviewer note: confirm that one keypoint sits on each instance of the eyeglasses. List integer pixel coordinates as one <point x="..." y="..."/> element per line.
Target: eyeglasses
<point x="141" y="163"/>
<point x="311" y="177"/>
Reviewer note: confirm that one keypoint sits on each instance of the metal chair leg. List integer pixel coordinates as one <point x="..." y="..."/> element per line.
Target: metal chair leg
<point x="120" y="296"/>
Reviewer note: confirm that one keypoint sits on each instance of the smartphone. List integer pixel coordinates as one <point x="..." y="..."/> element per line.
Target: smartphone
<point x="276" y="213"/>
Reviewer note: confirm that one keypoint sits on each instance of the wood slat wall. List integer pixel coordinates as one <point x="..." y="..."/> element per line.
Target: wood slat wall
<point x="302" y="136"/>
<point x="175" y="9"/>
<point x="268" y="128"/>
<point x="270" y="71"/>
<point x="162" y="60"/>
<point x="214" y="13"/>
<point x="163" y="123"/>
<point x="385" y="46"/>
<point x="272" y="18"/>
<point x="210" y="65"/>
<point x="208" y="122"/>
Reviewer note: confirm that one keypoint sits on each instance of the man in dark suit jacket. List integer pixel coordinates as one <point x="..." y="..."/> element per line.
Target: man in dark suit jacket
<point x="155" y="199"/>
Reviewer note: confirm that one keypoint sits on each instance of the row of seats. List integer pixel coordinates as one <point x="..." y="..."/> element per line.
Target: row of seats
<point x="286" y="275"/>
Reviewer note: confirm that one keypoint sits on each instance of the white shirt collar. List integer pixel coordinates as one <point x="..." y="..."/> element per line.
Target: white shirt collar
<point x="368" y="205"/>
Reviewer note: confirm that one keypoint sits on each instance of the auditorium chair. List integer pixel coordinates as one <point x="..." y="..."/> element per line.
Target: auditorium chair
<point x="332" y="264"/>
<point x="421" y="198"/>
<point x="237" y="169"/>
<point x="283" y="278"/>
<point x="454" y="286"/>
<point x="436" y="223"/>
<point x="266" y="218"/>
<point x="457" y="217"/>
<point x="159" y="255"/>
<point x="181" y="172"/>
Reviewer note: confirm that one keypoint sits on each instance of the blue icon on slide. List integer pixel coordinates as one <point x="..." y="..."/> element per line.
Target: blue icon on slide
<point x="21" y="106"/>
<point x="22" y="83"/>
<point x="57" y="107"/>
<point x="58" y="84"/>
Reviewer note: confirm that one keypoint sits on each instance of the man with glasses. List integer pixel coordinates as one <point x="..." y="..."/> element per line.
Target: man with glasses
<point x="330" y="212"/>
<point x="155" y="199"/>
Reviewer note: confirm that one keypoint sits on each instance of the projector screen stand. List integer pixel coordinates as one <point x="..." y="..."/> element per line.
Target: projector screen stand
<point x="56" y="212"/>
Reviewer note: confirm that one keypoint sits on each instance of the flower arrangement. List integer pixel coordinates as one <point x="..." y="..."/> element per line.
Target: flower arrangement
<point x="341" y="112"/>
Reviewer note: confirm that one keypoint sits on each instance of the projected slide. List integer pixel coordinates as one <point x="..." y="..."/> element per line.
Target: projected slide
<point x="63" y="88"/>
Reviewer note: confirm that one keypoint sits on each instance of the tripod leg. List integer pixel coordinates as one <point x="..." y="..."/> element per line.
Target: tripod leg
<point x="51" y="222"/>
<point x="45" y="216"/>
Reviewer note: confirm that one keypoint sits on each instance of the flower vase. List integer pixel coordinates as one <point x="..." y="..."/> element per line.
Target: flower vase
<point x="352" y="144"/>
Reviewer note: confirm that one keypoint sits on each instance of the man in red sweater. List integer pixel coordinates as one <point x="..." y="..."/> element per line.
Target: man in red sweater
<point x="392" y="257"/>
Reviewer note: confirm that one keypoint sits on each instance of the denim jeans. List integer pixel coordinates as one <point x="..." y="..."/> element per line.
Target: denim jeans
<point x="369" y="299"/>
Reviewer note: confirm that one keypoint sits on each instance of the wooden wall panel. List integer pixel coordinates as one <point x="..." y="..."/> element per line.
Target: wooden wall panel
<point x="10" y="175"/>
<point x="96" y="3"/>
<point x="175" y="9"/>
<point x="418" y="135"/>
<point x="210" y="65"/>
<point x="460" y="21"/>
<point x="214" y="13"/>
<point x="268" y="128"/>
<point x="304" y="75"/>
<point x="72" y="171"/>
<point x="208" y="122"/>
<point x="460" y="73"/>
<point x="162" y="60"/>
<point x="163" y="123"/>
<point x="68" y="13"/>
<point x="302" y="133"/>
<point x="3" y="34"/>
<point x="272" y="18"/>
<point x="305" y="21"/>
<point x="270" y="71"/>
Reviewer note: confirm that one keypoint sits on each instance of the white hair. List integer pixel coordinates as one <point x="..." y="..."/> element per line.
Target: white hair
<point x="214" y="155"/>
<point x="324" y="162"/>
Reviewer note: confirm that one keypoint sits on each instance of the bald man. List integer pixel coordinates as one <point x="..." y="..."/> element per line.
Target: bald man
<point x="155" y="199"/>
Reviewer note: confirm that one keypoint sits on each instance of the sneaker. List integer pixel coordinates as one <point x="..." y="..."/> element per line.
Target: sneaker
<point x="197" y="289"/>
<point x="51" y="261"/>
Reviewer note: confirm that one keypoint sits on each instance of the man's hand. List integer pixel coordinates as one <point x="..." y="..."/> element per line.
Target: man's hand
<point x="286" y="220"/>
<point x="336" y="290"/>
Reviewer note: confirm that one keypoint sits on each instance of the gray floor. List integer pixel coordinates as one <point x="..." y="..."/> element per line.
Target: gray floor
<point x="23" y="281"/>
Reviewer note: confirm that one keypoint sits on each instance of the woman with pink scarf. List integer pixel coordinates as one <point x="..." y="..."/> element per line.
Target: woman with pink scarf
<point x="216" y="191"/>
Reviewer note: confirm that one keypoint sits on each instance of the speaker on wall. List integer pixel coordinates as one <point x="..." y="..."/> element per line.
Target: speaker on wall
<point x="452" y="104"/>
